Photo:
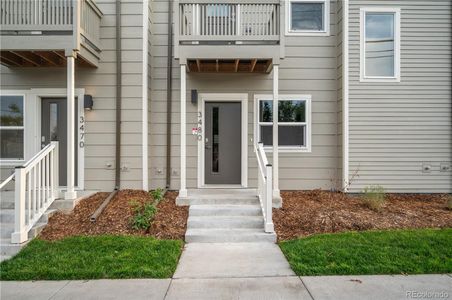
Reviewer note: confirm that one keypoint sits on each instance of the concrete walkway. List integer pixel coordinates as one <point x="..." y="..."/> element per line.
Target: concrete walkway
<point x="237" y="271"/>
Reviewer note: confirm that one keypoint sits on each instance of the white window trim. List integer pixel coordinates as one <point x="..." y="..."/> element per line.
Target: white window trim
<point x="308" y="123"/>
<point x="326" y="19"/>
<point x="362" y="22"/>
<point x="23" y="93"/>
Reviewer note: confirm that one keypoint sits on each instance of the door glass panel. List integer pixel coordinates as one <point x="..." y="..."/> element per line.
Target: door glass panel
<point x="215" y="139"/>
<point x="53" y="122"/>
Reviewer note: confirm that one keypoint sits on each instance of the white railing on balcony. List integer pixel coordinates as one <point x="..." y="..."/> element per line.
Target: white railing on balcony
<point x="229" y="20"/>
<point x="36" y="187"/>
<point x="265" y="186"/>
<point x="36" y="15"/>
<point x="90" y="17"/>
<point x="57" y="16"/>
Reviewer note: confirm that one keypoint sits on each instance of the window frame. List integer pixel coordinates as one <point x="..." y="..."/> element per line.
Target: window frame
<point x="397" y="38"/>
<point x="307" y="123"/>
<point x="326" y="19"/>
<point x="15" y="161"/>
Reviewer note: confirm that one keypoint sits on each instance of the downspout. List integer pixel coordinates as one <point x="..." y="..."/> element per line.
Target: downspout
<point x="169" y="90"/>
<point x="345" y="91"/>
<point x="118" y="96"/>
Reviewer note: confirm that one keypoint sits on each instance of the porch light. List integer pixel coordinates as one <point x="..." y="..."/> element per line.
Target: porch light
<point x="194" y="96"/>
<point x="88" y="102"/>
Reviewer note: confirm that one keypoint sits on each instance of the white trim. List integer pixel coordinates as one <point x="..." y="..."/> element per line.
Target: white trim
<point x="326" y="19"/>
<point x="32" y="124"/>
<point x="145" y="125"/>
<point x="308" y="123"/>
<point x="345" y="94"/>
<point x="183" y="131"/>
<point x="217" y="97"/>
<point x="362" y="43"/>
<point x="14" y="162"/>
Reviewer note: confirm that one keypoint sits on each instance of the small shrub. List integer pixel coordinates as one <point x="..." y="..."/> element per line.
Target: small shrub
<point x="143" y="214"/>
<point x="449" y="202"/>
<point x="374" y="197"/>
<point x="157" y="195"/>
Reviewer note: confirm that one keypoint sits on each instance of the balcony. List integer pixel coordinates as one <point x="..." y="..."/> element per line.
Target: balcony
<point x="36" y="33"/>
<point x="231" y="35"/>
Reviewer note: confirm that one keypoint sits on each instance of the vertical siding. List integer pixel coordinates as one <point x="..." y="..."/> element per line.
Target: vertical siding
<point x="310" y="67"/>
<point x="100" y="83"/>
<point x="396" y="127"/>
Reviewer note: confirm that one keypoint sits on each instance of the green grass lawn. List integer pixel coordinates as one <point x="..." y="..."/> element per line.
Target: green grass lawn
<point x="372" y="252"/>
<point x="93" y="257"/>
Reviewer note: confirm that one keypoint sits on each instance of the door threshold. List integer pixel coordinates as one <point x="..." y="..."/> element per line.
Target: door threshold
<point x="222" y="186"/>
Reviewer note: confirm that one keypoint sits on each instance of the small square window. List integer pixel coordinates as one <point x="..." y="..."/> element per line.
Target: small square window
<point x="11" y="127"/>
<point x="307" y="17"/>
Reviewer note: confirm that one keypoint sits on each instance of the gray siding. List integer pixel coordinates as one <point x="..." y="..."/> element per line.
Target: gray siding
<point x="395" y="127"/>
<point x="310" y="67"/>
<point x="100" y="83"/>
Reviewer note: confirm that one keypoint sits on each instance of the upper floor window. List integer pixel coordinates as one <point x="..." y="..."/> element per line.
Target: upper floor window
<point x="380" y="44"/>
<point x="12" y="127"/>
<point x="294" y="125"/>
<point x="307" y="17"/>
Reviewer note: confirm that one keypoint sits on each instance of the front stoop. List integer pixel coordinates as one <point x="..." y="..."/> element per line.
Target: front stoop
<point x="225" y="216"/>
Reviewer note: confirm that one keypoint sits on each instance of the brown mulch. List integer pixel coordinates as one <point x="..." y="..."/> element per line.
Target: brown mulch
<point x="170" y="222"/>
<point x="310" y="212"/>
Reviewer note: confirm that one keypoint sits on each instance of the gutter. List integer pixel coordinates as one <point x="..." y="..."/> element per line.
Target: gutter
<point x="345" y="94"/>
<point x="169" y="90"/>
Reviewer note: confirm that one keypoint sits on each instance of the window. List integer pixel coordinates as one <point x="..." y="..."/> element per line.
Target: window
<point x="12" y="127"/>
<point x="307" y="17"/>
<point x="380" y="44"/>
<point x="293" y="122"/>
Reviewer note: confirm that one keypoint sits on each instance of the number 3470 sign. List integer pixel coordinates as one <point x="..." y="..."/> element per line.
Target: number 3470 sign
<point x="81" y="128"/>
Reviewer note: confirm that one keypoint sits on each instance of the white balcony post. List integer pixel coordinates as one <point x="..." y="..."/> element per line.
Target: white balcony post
<point x="19" y="235"/>
<point x="55" y="171"/>
<point x="268" y="201"/>
<point x="70" y="192"/>
<point x="276" y="193"/>
<point x="183" y="104"/>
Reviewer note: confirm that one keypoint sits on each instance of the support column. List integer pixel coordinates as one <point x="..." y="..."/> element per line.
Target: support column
<point x="70" y="192"/>
<point x="183" y="131"/>
<point x="276" y="194"/>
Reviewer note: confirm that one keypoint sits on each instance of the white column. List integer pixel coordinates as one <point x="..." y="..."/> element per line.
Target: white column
<point x="70" y="192"/>
<point x="276" y="193"/>
<point x="183" y="104"/>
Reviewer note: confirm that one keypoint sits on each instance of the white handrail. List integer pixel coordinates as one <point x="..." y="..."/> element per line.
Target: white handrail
<point x="265" y="186"/>
<point x="6" y="181"/>
<point x="36" y="188"/>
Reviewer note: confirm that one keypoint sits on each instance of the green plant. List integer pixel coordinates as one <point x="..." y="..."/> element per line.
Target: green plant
<point x="143" y="214"/>
<point x="157" y="195"/>
<point x="374" y="197"/>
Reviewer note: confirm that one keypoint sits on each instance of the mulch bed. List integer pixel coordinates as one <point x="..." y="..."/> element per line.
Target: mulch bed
<point x="311" y="212"/>
<point x="170" y="222"/>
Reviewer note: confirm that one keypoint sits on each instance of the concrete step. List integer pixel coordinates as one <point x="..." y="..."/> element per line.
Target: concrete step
<point x="8" y="249"/>
<point x="222" y="200"/>
<point x="7" y="215"/>
<point x="225" y="210"/>
<point x="228" y="236"/>
<point x="225" y="222"/>
<point x="6" y="199"/>
<point x="8" y="228"/>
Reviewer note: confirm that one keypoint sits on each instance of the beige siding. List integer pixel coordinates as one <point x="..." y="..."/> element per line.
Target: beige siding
<point x="101" y="83"/>
<point x="310" y="67"/>
<point x="396" y="127"/>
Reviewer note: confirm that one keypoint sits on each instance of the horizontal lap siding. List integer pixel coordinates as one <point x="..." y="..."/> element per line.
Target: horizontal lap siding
<point x="310" y="67"/>
<point x="396" y="127"/>
<point x="101" y="84"/>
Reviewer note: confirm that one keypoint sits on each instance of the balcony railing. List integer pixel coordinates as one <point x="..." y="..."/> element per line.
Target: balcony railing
<point x="52" y="17"/>
<point x="239" y="21"/>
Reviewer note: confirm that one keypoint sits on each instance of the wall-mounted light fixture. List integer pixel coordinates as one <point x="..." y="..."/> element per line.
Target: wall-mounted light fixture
<point x="88" y="102"/>
<point x="194" y="96"/>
